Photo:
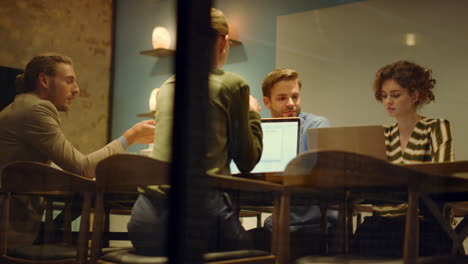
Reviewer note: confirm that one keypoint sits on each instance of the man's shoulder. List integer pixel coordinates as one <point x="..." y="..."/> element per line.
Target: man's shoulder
<point x="313" y="120"/>
<point x="30" y="105"/>
<point x="35" y="103"/>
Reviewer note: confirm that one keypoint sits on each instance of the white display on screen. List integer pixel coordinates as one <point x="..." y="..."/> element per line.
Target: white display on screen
<point x="280" y="145"/>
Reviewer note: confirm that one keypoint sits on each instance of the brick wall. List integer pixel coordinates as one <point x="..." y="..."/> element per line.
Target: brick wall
<point x="80" y="29"/>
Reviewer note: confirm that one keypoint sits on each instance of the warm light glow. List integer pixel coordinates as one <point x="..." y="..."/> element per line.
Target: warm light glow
<point x="236" y="23"/>
<point x="161" y="38"/>
<point x="233" y="32"/>
<point x="152" y="100"/>
<point x="410" y="39"/>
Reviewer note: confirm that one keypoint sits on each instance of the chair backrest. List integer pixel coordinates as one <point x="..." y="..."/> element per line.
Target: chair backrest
<point x="125" y="172"/>
<point x="29" y="176"/>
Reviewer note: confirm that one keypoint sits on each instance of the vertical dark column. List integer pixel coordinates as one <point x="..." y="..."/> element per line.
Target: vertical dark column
<point x="112" y="71"/>
<point x="188" y="227"/>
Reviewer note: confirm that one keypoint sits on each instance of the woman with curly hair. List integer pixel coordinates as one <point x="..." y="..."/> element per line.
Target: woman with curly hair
<point x="403" y="87"/>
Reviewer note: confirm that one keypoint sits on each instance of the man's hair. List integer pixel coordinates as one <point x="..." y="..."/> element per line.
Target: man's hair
<point x="408" y="75"/>
<point x="44" y="63"/>
<point x="278" y="75"/>
<point x="218" y="22"/>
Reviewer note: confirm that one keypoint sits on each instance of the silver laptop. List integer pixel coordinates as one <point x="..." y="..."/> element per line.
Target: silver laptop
<point x="280" y="144"/>
<point x="367" y="140"/>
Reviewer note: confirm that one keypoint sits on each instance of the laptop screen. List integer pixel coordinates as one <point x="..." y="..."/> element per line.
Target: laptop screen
<point x="280" y="144"/>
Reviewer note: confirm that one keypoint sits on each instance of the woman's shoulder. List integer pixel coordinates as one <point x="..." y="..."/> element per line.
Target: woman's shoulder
<point x="228" y="82"/>
<point x="434" y="122"/>
<point x="232" y="79"/>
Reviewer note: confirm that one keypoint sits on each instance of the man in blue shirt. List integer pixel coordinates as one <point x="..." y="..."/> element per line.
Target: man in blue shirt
<point x="281" y="95"/>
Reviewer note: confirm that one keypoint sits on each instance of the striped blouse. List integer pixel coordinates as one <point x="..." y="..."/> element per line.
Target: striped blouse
<point x="431" y="141"/>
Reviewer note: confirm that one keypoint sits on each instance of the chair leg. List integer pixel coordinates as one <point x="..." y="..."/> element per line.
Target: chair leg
<point x="67" y="230"/>
<point x="98" y="225"/>
<point x="49" y="221"/>
<point x="4" y="222"/>
<point x="259" y="220"/>
<point x="411" y="243"/>
<point x="106" y="234"/>
<point x="281" y="234"/>
<point x="324" y="229"/>
<point x="341" y="228"/>
<point x="83" y="236"/>
<point x="349" y="224"/>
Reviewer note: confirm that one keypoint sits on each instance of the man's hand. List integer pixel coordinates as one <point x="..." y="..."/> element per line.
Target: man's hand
<point x="254" y="105"/>
<point x="142" y="133"/>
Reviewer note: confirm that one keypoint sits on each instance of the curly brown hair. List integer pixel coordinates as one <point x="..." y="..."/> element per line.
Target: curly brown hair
<point x="408" y="75"/>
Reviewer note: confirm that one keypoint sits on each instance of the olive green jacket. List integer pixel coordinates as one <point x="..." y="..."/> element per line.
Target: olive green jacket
<point x="234" y="132"/>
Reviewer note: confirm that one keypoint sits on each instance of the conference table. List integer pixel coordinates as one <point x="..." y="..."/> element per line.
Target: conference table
<point x="341" y="177"/>
<point x="345" y="176"/>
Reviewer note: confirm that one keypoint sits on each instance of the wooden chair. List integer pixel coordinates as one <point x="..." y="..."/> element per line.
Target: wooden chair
<point x="123" y="173"/>
<point x="32" y="178"/>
